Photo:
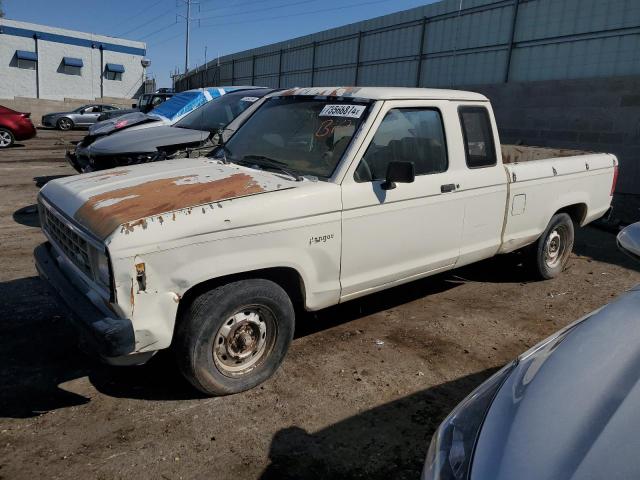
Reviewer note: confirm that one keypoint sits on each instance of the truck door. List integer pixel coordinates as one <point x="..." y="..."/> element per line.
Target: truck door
<point x="391" y="236"/>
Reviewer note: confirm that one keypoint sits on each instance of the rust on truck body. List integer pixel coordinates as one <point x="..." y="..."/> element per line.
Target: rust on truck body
<point x="105" y="212"/>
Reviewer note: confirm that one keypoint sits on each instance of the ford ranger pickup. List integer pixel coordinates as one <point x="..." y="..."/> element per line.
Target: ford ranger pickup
<point x="321" y="196"/>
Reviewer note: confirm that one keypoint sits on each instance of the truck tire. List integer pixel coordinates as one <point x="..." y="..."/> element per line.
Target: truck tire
<point x="551" y="251"/>
<point x="235" y="336"/>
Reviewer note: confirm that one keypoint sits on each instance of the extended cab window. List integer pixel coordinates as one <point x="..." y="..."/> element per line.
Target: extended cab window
<point x="478" y="137"/>
<point x="413" y="135"/>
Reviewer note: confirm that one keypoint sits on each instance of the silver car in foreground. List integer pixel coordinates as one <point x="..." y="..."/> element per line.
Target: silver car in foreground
<point x="567" y="409"/>
<point x="83" y="116"/>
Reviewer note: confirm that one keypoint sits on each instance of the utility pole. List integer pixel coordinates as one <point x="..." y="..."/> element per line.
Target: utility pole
<point x="188" y="20"/>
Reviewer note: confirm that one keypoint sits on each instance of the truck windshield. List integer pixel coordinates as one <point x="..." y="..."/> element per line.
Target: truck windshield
<point x="305" y="135"/>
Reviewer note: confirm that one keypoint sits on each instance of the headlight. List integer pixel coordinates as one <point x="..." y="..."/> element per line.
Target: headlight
<point x="100" y="268"/>
<point x="451" y="450"/>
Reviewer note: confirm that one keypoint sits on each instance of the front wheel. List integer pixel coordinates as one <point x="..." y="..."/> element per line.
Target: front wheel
<point x="65" y="124"/>
<point x="235" y="336"/>
<point x="551" y="251"/>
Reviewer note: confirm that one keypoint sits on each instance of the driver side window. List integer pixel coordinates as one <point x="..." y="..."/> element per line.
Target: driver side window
<point x="413" y="135"/>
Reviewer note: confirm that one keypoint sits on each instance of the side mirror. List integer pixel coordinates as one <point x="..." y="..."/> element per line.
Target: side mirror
<point x="401" y="172"/>
<point x="629" y="240"/>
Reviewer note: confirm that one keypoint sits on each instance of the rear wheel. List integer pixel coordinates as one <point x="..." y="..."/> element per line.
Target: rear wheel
<point x="234" y="337"/>
<point x="551" y="251"/>
<point x="6" y="138"/>
<point x="65" y="124"/>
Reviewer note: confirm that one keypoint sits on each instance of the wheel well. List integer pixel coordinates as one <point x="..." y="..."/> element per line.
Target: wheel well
<point x="577" y="212"/>
<point x="288" y="278"/>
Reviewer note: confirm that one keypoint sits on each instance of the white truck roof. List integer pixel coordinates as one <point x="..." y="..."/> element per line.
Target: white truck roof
<point x="387" y="93"/>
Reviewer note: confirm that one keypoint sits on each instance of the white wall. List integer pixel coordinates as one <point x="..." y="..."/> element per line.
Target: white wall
<point x="131" y="78"/>
<point x="54" y="83"/>
<point x="14" y="81"/>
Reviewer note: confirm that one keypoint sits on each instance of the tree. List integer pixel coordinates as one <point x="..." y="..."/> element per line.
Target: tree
<point x="1" y="11"/>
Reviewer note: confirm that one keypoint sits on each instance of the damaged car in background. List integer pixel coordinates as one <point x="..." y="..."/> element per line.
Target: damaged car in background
<point x="146" y="103"/>
<point x="117" y="145"/>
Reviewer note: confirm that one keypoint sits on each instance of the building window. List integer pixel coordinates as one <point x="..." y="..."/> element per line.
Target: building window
<point x="26" y="60"/>
<point x="72" y="66"/>
<point x="114" y="71"/>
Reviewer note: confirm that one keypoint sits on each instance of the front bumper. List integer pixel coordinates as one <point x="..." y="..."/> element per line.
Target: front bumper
<point x="77" y="160"/>
<point x="49" y="122"/>
<point x="108" y="337"/>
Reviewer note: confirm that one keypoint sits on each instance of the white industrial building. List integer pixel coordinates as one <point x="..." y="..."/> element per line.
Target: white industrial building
<point x="37" y="61"/>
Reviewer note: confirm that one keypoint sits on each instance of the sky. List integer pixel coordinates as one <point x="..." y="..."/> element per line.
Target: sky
<point x="223" y="27"/>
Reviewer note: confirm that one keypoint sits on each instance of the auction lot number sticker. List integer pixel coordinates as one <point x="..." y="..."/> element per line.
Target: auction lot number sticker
<point x="350" y="111"/>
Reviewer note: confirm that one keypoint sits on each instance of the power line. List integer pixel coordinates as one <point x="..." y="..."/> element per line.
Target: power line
<point x="158" y="30"/>
<point x="144" y="24"/>
<point x="135" y="16"/>
<point x="235" y="14"/>
<point x="161" y="42"/>
<point x="311" y="12"/>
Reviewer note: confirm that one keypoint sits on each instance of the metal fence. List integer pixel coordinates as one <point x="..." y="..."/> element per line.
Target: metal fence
<point x="443" y="45"/>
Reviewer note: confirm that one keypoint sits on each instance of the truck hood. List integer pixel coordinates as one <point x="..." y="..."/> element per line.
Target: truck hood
<point x="570" y="409"/>
<point x="149" y="140"/>
<point x="124" y="197"/>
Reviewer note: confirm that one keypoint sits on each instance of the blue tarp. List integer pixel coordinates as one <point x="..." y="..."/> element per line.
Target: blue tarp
<point x="182" y="103"/>
<point x="115" y="67"/>
<point x="24" y="55"/>
<point x="72" y="62"/>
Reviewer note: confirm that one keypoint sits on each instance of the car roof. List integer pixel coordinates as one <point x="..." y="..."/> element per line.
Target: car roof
<point x="387" y="93"/>
<point x="256" y="92"/>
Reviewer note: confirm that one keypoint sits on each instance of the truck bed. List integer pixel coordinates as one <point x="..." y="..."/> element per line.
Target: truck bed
<point x="543" y="181"/>
<point x="525" y="153"/>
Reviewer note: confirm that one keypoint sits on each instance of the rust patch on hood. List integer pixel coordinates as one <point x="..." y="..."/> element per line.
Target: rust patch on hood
<point x="105" y="212"/>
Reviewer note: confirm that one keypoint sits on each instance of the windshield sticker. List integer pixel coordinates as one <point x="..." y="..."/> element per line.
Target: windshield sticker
<point x="249" y="99"/>
<point x="327" y="127"/>
<point x="350" y="111"/>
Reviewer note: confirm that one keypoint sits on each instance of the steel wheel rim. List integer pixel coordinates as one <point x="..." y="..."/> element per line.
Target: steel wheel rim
<point x="5" y="139"/>
<point x="244" y="340"/>
<point x="555" y="248"/>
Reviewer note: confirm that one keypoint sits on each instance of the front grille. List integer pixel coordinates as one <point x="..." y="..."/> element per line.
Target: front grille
<point x="74" y="247"/>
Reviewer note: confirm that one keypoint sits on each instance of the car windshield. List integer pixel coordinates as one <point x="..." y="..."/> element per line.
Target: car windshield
<point x="219" y="112"/>
<point x="79" y="109"/>
<point x="305" y="135"/>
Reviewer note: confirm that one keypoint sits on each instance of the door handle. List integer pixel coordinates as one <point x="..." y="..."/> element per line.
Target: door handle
<point x="449" y="187"/>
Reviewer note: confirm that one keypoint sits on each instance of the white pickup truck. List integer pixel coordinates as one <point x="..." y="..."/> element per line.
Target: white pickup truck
<point x="321" y="196"/>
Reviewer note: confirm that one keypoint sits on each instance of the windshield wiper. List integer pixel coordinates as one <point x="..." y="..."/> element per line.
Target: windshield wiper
<point x="266" y="162"/>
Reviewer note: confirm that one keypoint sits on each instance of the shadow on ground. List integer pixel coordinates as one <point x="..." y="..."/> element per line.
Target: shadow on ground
<point x="389" y="441"/>
<point x="43" y="180"/>
<point x="38" y="347"/>
<point x="27" y="216"/>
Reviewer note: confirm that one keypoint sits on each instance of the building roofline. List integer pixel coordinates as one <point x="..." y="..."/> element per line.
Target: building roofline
<point x="71" y="37"/>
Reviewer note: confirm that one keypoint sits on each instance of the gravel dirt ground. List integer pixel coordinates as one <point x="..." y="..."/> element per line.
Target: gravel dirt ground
<point x="360" y="393"/>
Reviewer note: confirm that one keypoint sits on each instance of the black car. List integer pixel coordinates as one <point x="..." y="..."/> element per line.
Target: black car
<point x="199" y="130"/>
<point x="146" y="103"/>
